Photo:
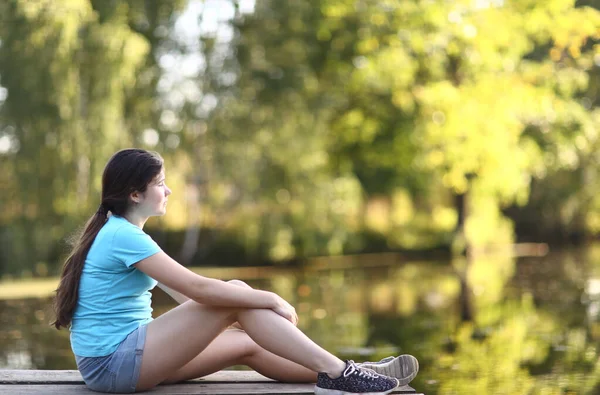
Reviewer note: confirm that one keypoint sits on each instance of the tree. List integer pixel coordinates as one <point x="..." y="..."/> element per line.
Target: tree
<point x="70" y="70"/>
<point x="461" y="100"/>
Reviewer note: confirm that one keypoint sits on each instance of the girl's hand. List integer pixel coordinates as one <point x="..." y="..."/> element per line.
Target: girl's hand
<point x="286" y="310"/>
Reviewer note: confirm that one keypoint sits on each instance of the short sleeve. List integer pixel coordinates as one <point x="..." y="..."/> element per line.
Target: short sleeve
<point x="131" y="244"/>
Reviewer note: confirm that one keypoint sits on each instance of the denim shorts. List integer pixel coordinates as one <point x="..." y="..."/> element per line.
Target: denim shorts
<point x="118" y="372"/>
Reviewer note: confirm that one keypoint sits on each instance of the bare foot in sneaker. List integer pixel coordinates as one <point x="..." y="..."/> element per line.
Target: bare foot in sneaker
<point x="404" y="368"/>
<point x="355" y="380"/>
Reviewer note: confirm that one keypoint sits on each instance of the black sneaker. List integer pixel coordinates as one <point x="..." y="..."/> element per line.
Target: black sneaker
<point x="355" y="380"/>
<point x="404" y="368"/>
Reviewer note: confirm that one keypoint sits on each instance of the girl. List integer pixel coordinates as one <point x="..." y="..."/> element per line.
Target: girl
<point x="104" y="297"/>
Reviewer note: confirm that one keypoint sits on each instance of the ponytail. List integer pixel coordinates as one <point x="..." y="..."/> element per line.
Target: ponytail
<point x="68" y="288"/>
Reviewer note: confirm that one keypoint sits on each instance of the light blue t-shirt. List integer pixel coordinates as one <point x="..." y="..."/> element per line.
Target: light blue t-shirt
<point x="114" y="297"/>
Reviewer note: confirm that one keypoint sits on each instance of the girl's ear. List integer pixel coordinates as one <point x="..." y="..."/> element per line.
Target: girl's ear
<point x="135" y="197"/>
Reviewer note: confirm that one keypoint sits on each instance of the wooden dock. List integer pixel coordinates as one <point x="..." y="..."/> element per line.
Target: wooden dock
<point x="69" y="382"/>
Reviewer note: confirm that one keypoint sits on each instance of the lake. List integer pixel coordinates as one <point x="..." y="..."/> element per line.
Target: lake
<point x="526" y="325"/>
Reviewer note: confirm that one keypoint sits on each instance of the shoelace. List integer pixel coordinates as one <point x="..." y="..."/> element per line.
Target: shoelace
<point x="352" y="368"/>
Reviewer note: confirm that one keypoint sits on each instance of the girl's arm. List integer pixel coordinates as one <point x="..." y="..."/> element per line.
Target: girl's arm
<point x="210" y="291"/>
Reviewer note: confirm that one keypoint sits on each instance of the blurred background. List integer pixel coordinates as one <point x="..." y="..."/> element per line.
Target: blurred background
<point x="414" y="176"/>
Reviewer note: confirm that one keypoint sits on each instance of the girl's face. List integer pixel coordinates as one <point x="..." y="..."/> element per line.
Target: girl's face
<point x="154" y="199"/>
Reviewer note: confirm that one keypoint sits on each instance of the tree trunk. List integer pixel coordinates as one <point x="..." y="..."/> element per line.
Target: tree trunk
<point x="461" y="249"/>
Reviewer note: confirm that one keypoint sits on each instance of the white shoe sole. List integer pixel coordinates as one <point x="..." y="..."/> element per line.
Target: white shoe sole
<point x="404" y="368"/>
<point x="323" y="391"/>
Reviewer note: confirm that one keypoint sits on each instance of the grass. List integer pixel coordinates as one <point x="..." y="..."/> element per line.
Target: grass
<point x="45" y="287"/>
<point x="33" y="288"/>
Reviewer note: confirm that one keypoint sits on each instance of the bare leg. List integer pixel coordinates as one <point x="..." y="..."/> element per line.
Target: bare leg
<point x="263" y="359"/>
<point x="280" y="369"/>
<point x="235" y="347"/>
<point x="165" y="352"/>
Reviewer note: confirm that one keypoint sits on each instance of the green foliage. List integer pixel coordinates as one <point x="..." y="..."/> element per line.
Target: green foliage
<point x="436" y="98"/>
<point x="309" y="128"/>
<point x="69" y="70"/>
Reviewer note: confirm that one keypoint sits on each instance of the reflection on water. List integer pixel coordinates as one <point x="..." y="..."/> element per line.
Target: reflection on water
<point x="536" y="326"/>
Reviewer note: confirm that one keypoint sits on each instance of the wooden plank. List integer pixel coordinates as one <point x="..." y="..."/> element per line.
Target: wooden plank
<point x="74" y="377"/>
<point x="233" y="382"/>
<point x="176" y="389"/>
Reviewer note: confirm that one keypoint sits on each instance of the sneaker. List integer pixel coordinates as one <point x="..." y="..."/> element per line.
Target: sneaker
<point x="404" y="368"/>
<point x="353" y="381"/>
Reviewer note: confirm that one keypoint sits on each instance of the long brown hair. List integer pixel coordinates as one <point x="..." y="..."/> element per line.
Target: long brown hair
<point x="127" y="171"/>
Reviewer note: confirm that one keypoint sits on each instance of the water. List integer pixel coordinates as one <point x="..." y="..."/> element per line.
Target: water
<point x="535" y="326"/>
